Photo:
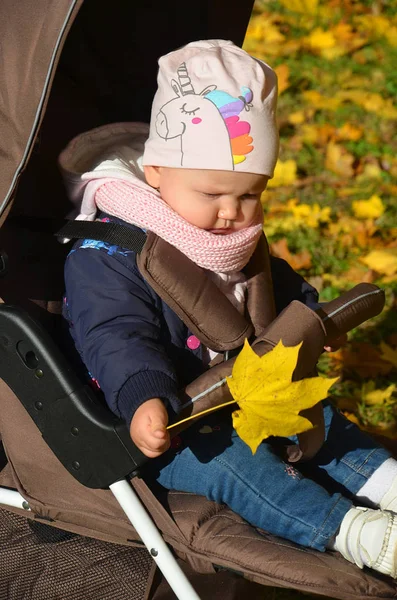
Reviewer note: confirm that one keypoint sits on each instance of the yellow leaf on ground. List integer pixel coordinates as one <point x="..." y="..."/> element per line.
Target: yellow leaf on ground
<point x="317" y="134"/>
<point x="301" y="6"/>
<point x="334" y="42"/>
<point x="370" y="395"/>
<point x="261" y="28"/>
<point x="309" y="133"/>
<point x="355" y="274"/>
<point x="349" y="132"/>
<point x="388" y="354"/>
<point x="296" y="118"/>
<point x="368" y="209"/>
<point x="284" y="174"/>
<point x="352" y="231"/>
<point x="378" y="26"/>
<point x="391" y="36"/>
<point x="311" y="215"/>
<point x="283" y="224"/>
<point x="370" y="101"/>
<point x="370" y="171"/>
<point x="269" y="401"/>
<point x="282" y="72"/>
<point x="301" y="260"/>
<point x="362" y="358"/>
<point x="382" y="261"/>
<point x="318" y="101"/>
<point x="319" y="39"/>
<point x="339" y="160"/>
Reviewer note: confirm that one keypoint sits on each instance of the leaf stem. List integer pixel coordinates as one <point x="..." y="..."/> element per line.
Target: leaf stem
<point x="200" y="414"/>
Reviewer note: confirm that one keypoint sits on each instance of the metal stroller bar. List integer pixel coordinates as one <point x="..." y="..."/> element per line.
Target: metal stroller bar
<point x="13" y="498"/>
<point x="151" y="537"/>
<point x="143" y="525"/>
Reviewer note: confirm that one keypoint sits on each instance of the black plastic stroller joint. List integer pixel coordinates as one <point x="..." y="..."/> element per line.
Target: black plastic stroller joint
<point x="3" y="263"/>
<point x="91" y="443"/>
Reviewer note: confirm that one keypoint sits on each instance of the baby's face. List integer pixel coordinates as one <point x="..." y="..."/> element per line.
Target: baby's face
<point x="218" y="201"/>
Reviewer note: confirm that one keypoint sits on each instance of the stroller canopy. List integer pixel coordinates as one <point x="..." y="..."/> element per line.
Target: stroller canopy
<point x="100" y="57"/>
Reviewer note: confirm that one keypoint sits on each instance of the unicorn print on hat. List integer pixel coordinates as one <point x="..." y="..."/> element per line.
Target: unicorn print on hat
<point x="206" y="121"/>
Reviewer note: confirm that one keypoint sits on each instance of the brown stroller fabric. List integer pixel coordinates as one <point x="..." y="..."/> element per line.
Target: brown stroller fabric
<point x="205" y="534"/>
<point x="40" y="562"/>
<point x="89" y="89"/>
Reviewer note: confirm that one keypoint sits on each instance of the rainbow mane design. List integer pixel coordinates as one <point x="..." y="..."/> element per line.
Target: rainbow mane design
<point x="207" y="122"/>
<point x="230" y="107"/>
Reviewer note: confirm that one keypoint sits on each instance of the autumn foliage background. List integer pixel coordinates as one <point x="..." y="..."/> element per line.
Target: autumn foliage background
<point x="330" y="210"/>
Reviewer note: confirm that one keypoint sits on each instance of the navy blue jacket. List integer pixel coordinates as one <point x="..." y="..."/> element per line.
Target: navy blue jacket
<point x="131" y="342"/>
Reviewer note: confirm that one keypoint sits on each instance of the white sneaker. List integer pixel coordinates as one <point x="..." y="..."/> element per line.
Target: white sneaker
<point x="389" y="500"/>
<point x="369" y="538"/>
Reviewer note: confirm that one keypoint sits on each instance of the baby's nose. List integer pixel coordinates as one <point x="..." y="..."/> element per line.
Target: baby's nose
<point x="229" y="210"/>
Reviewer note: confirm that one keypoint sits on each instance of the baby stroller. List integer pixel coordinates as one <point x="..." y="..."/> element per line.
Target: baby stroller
<point x="71" y="66"/>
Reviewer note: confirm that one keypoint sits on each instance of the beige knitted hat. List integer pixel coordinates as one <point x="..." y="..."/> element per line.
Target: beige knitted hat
<point x="214" y="109"/>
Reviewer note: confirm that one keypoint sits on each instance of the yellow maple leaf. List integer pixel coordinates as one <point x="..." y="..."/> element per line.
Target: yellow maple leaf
<point x="391" y="36"/>
<point x="378" y="26"/>
<point x="383" y="261"/>
<point x="368" y="209"/>
<point x="262" y="28"/>
<point x="388" y="354"/>
<point x="284" y="174"/>
<point x="370" y="171"/>
<point x="311" y="215"/>
<point x="301" y="6"/>
<point x="269" y="401"/>
<point x="320" y="39"/>
<point x="282" y="72"/>
<point x="309" y="133"/>
<point x="333" y="42"/>
<point x="370" y="101"/>
<point x="296" y="118"/>
<point x="338" y="160"/>
<point x="302" y="260"/>
<point x="318" y="101"/>
<point x="349" y="132"/>
<point x="370" y="395"/>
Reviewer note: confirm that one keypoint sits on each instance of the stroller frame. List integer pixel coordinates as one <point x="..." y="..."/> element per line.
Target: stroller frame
<point x="143" y="525"/>
<point x="32" y="358"/>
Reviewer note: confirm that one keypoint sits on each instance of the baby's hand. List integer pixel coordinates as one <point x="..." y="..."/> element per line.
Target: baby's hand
<point x="336" y="343"/>
<point x="148" y="428"/>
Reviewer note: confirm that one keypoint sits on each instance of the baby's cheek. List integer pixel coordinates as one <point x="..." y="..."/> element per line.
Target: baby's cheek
<point x="253" y="213"/>
<point x="258" y="213"/>
<point x="207" y="216"/>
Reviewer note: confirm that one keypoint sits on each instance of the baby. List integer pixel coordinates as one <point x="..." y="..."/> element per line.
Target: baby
<point x="220" y="202"/>
<point x="195" y="179"/>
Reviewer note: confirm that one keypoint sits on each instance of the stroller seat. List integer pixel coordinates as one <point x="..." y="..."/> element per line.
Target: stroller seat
<point x="207" y="535"/>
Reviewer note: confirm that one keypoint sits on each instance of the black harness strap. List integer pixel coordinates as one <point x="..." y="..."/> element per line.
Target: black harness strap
<point x="102" y="231"/>
<point x="112" y="233"/>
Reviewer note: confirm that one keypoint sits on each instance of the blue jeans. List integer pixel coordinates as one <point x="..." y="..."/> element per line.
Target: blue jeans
<point x="304" y="503"/>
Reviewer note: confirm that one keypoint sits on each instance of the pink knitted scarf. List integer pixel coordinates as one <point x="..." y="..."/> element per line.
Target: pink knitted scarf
<point x="145" y="208"/>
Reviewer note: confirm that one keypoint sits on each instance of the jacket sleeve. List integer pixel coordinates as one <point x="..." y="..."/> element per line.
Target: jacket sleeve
<point x="289" y="285"/>
<point x="116" y="322"/>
